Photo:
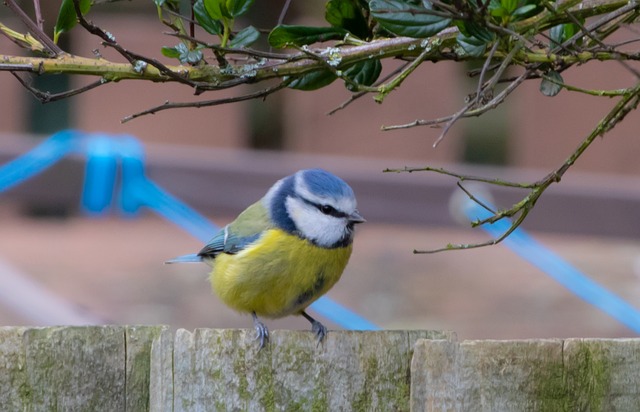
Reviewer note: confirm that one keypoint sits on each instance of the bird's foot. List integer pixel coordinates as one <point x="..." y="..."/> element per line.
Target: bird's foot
<point x="316" y="327"/>
<point x="319" y="329"/>
<point x="262" y="332"/>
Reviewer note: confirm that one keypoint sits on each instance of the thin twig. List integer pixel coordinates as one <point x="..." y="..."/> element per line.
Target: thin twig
<point x="206" y="103"/>
<point x="467" y="111"/>
<point x="243" y="51"/>
<point x="46" y="97"/>
<point x="514" y="225"/>
<point x="449" y="14"/>
<point x="51" y="48"/>
<point x="456" y="116"/>
<point x="475" y="199"/>
<point x="470" y="113"/>
<point x="462" y="177"/>
<point x="590" y="92"/>
<point x="401" y="77"/>
<point x="38" y="13"/>
<point x="283" y="12"/>
<point x="485" y="68"/>
<point x="358" y="95"/>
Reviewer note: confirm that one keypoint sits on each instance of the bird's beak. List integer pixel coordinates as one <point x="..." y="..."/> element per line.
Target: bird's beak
<point x="356" y="217"/>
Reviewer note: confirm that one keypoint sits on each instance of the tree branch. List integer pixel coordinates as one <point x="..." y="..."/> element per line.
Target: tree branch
<point x="49" y="46"/>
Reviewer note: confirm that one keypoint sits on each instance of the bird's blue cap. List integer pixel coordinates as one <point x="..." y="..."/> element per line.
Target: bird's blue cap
<point x="323" y="183"/>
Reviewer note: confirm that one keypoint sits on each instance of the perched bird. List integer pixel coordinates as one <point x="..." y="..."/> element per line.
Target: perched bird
<point x="284" y="251"/>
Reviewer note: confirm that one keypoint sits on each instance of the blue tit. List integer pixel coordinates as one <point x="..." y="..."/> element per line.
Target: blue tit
<point x="284" y="251"/>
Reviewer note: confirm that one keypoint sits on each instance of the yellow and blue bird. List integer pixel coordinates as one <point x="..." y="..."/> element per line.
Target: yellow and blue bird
<point x="284" y="251"/>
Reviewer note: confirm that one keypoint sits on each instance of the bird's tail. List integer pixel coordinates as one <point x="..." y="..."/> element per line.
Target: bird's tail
<point x="192" y="258"/>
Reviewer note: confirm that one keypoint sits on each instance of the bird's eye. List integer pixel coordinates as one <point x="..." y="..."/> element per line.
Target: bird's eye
<point x="327" y="210"/>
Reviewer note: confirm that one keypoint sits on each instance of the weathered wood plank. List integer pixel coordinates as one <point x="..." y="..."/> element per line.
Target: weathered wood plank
<point x="222" y="370"/>
<point x="161" y="372"/>
<point x="13" y="379"/>
<point x="602" y="374"/>
<point x="74" y="368"/>
<point x="534" y="375"/>
<point x="95" y="368"/>
<point x="139" y="341"/>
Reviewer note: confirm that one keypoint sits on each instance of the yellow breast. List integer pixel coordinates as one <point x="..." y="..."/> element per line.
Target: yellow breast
<point x="279" y="275"/>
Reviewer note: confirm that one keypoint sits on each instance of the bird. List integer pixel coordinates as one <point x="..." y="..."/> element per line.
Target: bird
<point x="284" y="251"/>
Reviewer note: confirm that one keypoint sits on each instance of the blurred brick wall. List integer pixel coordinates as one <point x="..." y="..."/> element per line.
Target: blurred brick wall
<point x="543" y="130"/>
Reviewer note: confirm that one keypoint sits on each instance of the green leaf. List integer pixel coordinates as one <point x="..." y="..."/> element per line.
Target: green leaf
<point x="67" y="17"/>
<point x="514" y="10"/>
<point x="557" y="35"/>
<point x="509" y="5"/>
<point x="192" y="57"/>
<point x="527" y="11"/>
<point x="182" y="53"/>
<point x="245" y="37"/>
<point x="570" y="30"/>
<point x="499" y="12"/>
<point x="347" y="14"/>
<point x="313" y="81"/>
<point x="284" y="35"/>
<point x="215" y="9"/>
<point x="170" y="52"/>
<point x="472" y="29"/>
<point x="473" y="46"/>
<point x="524" y="11"/>
<point x="205" y="21"/>
<point x="404" y="19"/>
<point x="551" y="84"/>
<point x="236" y="8"/>
<point x="364" y="72"/>
<point x="562" y="32"/>
<point x="172" y="4"/>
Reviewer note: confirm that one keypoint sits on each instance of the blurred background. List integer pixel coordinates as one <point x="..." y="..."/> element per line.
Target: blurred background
<point x="109" y="268"/>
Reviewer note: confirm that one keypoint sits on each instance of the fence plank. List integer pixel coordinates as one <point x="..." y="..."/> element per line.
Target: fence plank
<point x="161" y="372"/>
<point x="13" y="379"/>
<point x="74" y="368"/>
<point x="534" y="375"/>
<point x="95" y="368"/>
<point x="222" y="370"/>
<point x="603" y="374"/>
<point x="138" y="364"/>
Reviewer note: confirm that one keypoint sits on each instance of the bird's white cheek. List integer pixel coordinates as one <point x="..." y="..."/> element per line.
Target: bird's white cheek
<point x="319" y="227"/>
<point x="334" y="231"/>
<point x="322" y="229"/>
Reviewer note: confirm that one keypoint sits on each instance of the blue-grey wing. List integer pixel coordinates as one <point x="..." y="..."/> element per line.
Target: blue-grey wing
<point x="226" y="242"/>
<point x="246" y="229"/>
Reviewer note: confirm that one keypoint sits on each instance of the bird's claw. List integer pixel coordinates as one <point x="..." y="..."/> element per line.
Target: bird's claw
<point x="319" y="330"/>
<point x="262" y="332"/>
<point x="316" y="327"/>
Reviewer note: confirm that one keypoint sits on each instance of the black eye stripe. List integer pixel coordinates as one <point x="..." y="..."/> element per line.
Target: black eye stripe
<point x="326" y="209"/>
<point x="330" y="210"/>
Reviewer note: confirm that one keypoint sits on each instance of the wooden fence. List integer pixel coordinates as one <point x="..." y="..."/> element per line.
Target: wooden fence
<point x="151" y="368"/>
